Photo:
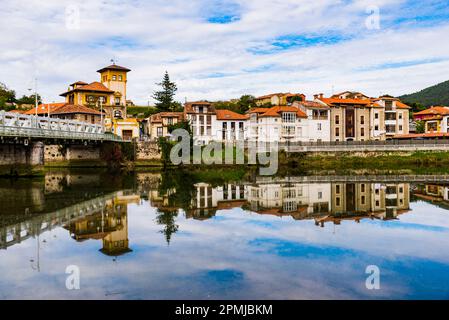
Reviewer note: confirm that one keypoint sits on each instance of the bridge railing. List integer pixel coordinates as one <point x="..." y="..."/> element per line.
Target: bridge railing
<point x="16" y="124"/>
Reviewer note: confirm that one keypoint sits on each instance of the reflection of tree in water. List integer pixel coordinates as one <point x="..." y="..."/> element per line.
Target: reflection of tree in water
<point x="168" y="219"/>
<point x="177" y="187"/>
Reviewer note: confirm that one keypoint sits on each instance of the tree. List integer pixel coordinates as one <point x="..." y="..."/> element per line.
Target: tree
<point x="29" y="99"/>
<point x="165" y="96"/>
<point x="241" y="105"/>
<point x="420" y="126"/>
<point x="6" y="96"/>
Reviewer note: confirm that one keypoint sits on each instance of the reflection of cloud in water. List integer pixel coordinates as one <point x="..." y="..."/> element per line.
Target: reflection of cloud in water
<point x="238" y="254"/>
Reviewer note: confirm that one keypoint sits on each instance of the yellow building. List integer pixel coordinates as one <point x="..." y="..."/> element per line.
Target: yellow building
<point x="109" y="93"/>
<point x="127" y="129"/>
<point x="279" y="99"/>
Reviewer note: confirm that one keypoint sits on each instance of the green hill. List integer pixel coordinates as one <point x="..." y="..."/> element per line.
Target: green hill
<point x="437" y="95"/>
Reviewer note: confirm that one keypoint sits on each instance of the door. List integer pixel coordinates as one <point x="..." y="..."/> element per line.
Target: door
<point x="127" y="135"/>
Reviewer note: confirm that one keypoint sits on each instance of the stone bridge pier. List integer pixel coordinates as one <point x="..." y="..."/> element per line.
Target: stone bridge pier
<point x="22" y="154"/>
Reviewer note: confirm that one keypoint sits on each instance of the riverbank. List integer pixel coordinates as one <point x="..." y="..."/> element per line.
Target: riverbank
<point x="297" y="163"/>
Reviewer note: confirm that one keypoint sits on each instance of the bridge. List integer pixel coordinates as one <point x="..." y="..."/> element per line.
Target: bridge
<point x="18" y="125"/>
<point x="23" y="140"/>
<point x="16" y="232"/>
<point x="422" y="178"/>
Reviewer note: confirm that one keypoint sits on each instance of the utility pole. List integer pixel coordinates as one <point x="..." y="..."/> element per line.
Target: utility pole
<point x="35" y="95"/>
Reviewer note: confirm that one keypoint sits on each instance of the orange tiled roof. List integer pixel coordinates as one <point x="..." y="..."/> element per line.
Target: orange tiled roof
<point x="438" y="110"/>
<point x="44" y="108"/>
<point x="94" y="86"/>
<point x="258" y="110"/>
<point x="401" y="105"/>
<point x="75" y="108"/>
<point x="334" y="101"/>
<point x="17" y="111"/>
<point x="313" y="104"/>
<point x="276" y="111"/>
<point x="224" y="114"/>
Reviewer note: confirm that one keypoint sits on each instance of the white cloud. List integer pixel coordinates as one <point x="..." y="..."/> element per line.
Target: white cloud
<point x="153" y="36"/>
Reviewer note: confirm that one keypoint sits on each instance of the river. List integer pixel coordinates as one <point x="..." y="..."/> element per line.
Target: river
<point x="153" y="235"/>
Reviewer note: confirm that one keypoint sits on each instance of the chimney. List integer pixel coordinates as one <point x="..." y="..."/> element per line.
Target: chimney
<point x="315" y="96"/>
<point x="321" y="96"/>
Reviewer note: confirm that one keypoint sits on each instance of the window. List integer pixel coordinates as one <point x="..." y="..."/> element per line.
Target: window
<point x="120" y="78"/>
<point x="400" y="115"/>
<point x="337" y="132"/>
<point x="320" y="195"/>
<point x="376" y="115"/>
<point x="377" y="203"/>
<point x="337" y="201"/>
<point x="400" y="127"/>
<point x="102" y="99"/>
<point x="376" y="127"/>
<point x="362" y="119"/>
<point x="85" y="117"/>
<point x="241" y="126"/>
<point x="90" y="98"/>
<point x="362" y="187"/>
<point x="159" y="131"/>
<point x="105" y="78"/>
<point x="362" y="200"/>
<point x="337" y="119"/>
<point x="362" y="132"/>
<point x="319" y="126"/>
<point x="200" y="109"/>
<point x="337" y="189"/>
<point x="114" y="78"/>
<point x="288" y="117"/>
<point x="117" y="101"/>
<point x="170" y="121"/>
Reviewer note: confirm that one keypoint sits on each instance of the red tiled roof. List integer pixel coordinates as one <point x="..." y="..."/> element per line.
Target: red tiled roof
<point x="224" y="114"/>
<point x="433" y="111"/>
<point x="75" y="108"/>
<point x="401" y="105"/>
<point x="271" y="95"/>
<point x="276" y="111"/>
<point x="114" y="67"/>
<point x="258" y="110"/>
<point x="44" y="108"/>
<point x="94" y="86"/>
<point x="313" y="104"/>
<point x="81" y="83"/>
<point x="337" y="101"/>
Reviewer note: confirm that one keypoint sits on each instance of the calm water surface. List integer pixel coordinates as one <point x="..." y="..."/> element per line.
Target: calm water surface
<point x="167" y="236"/>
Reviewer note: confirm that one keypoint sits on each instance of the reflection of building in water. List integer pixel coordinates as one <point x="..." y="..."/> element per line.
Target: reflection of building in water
<point x="110" y="225"/>
<point x="207" y="200"/>
<point x="385" y="201"/>
<point x="296" y="200"/>
<point x="438" y="194"/>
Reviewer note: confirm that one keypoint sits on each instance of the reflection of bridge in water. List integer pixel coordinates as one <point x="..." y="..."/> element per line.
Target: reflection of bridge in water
<point x="11" y="234"/>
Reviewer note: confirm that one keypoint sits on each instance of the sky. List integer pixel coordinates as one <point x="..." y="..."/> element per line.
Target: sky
<point x="222" y="49"/>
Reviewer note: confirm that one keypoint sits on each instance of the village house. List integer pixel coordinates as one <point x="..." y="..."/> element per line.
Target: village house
<point x="109" y="96"/>
<point x="436" y="119"/>
<point x="209" y="124"/>
<point x="158" y="124"/>
<point x="355" y="117"/>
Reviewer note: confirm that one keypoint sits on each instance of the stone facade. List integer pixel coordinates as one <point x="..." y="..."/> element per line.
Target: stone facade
<point x="147" y="151"/>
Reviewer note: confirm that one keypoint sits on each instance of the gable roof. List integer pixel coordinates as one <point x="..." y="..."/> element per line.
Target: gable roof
<point x="437" y="110"/>
<point x="157" y="117"/>
<point x="188" y="106"/>
<point x="277" y="110"/>
<point x="223" y="114"/>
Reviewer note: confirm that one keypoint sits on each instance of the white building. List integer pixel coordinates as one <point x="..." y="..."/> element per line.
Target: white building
<point x="210" y="125"/>
<point x="302" y="122"/>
